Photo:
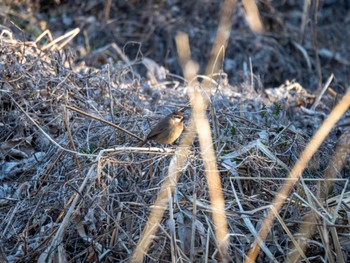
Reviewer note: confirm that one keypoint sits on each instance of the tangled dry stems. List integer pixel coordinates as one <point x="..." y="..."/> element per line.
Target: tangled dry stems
<point x="114" y="188"/>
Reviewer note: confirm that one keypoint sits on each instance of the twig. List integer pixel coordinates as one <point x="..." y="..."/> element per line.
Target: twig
<point x="325" y="87"/>
<point x="104" y="121"/>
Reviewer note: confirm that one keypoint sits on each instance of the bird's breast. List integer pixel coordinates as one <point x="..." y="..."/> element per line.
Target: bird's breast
<point x="169" y="136"/>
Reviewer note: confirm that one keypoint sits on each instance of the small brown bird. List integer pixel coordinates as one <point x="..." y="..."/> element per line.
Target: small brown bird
<point x="167" y="130"/>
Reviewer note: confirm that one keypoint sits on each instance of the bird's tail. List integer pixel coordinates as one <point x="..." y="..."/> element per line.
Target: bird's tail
<point x="142" y="143"/>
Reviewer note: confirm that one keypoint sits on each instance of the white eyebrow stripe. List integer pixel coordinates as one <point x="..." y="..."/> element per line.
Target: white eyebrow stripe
<point x="178" y="118"/>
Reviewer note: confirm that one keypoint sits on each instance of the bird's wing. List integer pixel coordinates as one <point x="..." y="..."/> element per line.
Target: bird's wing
<point x="159" y="128"/>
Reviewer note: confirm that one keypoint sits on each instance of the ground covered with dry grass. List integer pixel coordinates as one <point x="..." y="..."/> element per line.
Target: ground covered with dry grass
<point x="76" y="188"/>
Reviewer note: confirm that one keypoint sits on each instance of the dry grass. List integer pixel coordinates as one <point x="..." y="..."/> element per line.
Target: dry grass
<point x="75" y="188"/>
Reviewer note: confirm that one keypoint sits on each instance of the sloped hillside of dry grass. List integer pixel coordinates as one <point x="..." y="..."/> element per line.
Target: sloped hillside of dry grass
<point x="75" y="186"/>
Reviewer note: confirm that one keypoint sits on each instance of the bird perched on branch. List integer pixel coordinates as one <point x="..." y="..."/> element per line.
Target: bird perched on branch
<point x="167" y="130"/>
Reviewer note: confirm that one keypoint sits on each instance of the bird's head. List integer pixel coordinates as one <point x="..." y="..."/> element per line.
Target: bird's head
<point x="177" y="116"/>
